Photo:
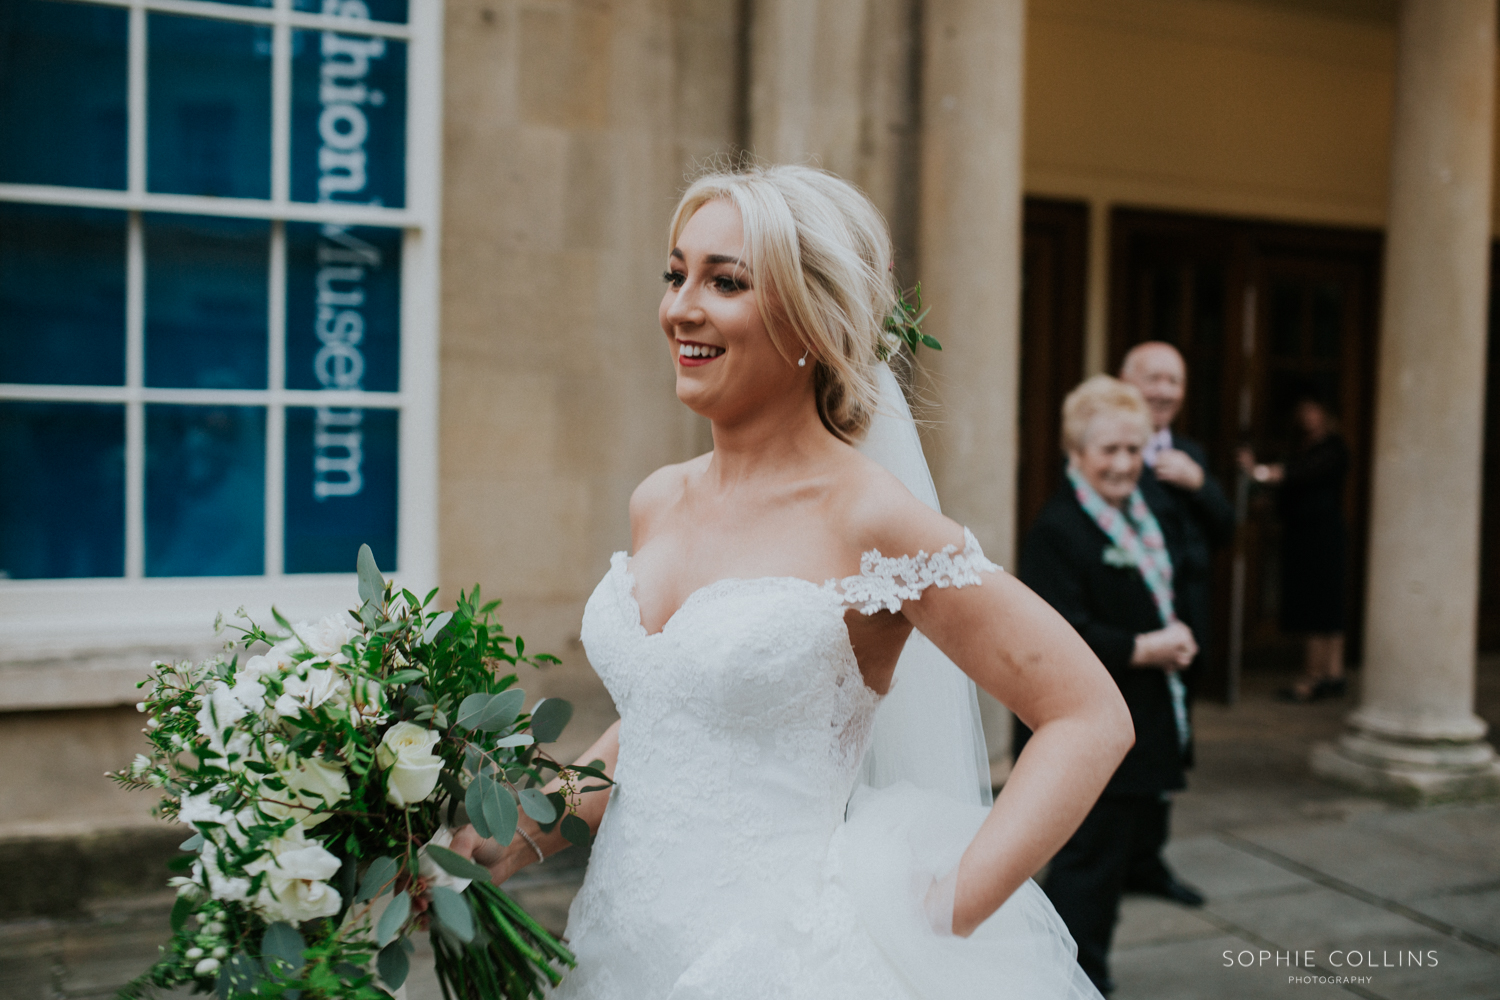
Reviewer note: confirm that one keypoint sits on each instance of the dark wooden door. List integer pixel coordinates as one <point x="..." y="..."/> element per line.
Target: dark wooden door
<point x="1263" y="313"/>
<point x="1054" y="265"/>
<point x="1489" y="543"/>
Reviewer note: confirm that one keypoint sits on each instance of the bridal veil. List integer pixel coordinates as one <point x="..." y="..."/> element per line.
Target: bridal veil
<point x="927" y="730"/>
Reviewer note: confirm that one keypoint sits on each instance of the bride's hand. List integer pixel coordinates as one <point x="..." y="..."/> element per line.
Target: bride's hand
<point x="503" y="862"/>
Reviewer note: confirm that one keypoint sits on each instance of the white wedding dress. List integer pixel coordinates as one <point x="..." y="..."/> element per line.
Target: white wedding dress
<point x="732" y="863"/>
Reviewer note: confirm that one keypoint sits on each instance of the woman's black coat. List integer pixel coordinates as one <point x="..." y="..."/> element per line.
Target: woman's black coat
<point x="1062" y="559"/>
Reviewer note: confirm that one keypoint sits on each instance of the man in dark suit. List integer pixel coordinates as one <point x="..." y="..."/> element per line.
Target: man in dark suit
<point x="1181" y="492"/>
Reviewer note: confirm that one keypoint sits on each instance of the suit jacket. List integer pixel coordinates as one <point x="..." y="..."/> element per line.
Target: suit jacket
<point x="1203" y="521"/>
<point x="1062" y="559"/>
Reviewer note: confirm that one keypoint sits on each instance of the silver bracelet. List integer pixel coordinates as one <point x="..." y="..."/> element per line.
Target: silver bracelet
<point x="526" y="837"/>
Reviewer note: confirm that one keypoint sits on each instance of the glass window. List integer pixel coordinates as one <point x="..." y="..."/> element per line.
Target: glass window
<point x="341" y="470"/>
<point x="348" y="119"/>
<point x="62" y="510"/>
<point x="237" y="364"/>
<point x="377" y="10"/>
<point x="63" y="77"/>
<point x="207" y="284"/>
<point x="343" y="307"/>
<point x="205" y="490"/>
<point x="62" y="295"/>
<point x="208" y="121"/>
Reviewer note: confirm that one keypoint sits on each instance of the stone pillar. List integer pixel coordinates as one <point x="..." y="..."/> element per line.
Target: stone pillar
<point x="1415" y="734"/>
<point x="970" y="265"/>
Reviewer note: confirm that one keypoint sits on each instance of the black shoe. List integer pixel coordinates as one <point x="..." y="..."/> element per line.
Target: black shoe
<point x="1329" y="688"/>
<point x="1177" y="892"/>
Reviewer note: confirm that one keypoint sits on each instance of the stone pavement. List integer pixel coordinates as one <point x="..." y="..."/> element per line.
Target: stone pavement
<point x="1291" y="866"/>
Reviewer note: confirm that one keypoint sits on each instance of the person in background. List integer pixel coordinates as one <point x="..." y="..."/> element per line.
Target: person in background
<point x="1311" y="505"/>
<point x="1100" y="557"/>
<point x="1179" y="489"/>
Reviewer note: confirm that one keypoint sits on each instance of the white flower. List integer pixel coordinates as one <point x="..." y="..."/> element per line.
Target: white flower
<point x="430" y="869"/>
<point x="220" y="886"/>
<point x="312" y="785"/>
<point x="140" y="765"/>
<point x="367" y="702"/>
<point x="406" y="750"/>
<point x="277" y="660"/>
<point x="310" y="690"/>
<point x="196" y="809"/>
<point x="206" y="967"/>
<point x="296" y="884"/>
<point x="327" y="638"/>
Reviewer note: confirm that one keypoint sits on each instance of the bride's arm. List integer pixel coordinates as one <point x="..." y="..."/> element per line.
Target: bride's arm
<point x="503" y="862"/>
<point x="1025" y="654"/>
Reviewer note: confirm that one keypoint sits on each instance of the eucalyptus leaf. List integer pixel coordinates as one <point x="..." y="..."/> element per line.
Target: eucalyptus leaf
<point x="575" y="831"/>
<point x="502" y="710"/>
<point x="456" y="864"/>
<point x="453" y="910"/>
<point x="393" y="964"/>
<point x="549" y="717"/>
<point x="192" y="843"/>
<point x="514" y="740"/>
<point x="474" y="806"/>
<point x="499" y="810"/>
<point x="393" y="918"/>
<point x="471" y="709"/>
<point x="377" y="879"/>
<point x="437" y="625"/>
<point x="371" y="583"/>
<point x="537" y="805"/>
<point x="281" y="947"/>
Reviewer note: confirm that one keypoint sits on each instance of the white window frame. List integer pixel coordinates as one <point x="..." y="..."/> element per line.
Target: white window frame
<point x="104" y="624"/>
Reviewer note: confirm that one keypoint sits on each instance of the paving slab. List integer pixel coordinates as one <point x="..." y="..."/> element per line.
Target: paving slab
<point x="1145" y="921"/>
<point x="1477" y="913"/>
<point x="1221" y="871"/>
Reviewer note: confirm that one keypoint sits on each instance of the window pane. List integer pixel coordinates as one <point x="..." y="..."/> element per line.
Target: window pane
<point x="62" y="86"/>
<point x="340" y="488"/>
<point x="343" y="308"/>
<point x="348" y="119"/>
<point x="62" y="295"/>
<point x="62" y="511"/>
<point x="376" y="10"/>
<point x="208" y="120"/>
<point x="206" y="302"/>
<point x="205" y="490"/>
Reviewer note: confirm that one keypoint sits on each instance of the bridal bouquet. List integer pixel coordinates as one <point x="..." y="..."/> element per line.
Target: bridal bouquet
<point x="324" y="779"/>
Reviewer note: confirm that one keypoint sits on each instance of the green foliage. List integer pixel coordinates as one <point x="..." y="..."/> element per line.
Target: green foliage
<point x="244" y="772"/>
<point x="903" y="327"/>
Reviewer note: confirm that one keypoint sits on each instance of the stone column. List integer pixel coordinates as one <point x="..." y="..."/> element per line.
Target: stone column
<point x="1415" y="734"/>
<point x="970" y="265"/>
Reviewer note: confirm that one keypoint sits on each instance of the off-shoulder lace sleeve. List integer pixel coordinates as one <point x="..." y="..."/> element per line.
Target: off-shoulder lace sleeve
<point x="885" y="582"/>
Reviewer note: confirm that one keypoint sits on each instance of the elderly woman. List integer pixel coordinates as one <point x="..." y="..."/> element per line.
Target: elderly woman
<point x="1097" y="554"/>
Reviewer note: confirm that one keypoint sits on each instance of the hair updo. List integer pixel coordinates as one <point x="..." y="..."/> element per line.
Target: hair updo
<point x="819" y="257"/>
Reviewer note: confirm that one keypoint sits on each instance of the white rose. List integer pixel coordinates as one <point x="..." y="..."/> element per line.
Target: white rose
<point x="430" y="869"/>
<point x="312" y="785"/>
<point x="327" y="638"/>
<point x="296" y="885"/>
<point x="221" y="709"/>
<point x="406" y="750"/>
<point x="311" y="689"/>
<point x="277" y="660"/>
<point x="220" y="886"/>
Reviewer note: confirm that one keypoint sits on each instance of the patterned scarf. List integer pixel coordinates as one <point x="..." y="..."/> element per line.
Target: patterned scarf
<point x="1134" y="532"/>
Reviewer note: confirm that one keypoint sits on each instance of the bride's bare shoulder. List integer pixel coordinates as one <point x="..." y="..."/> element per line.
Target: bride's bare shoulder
<point x="659" y="491"/>
<point x="883" y="514"/>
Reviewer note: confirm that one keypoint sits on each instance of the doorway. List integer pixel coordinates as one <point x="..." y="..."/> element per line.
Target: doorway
<point x="1264" y="314"/>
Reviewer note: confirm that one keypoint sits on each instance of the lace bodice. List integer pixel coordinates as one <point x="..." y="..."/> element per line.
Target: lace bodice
<point x="743" y="724"/>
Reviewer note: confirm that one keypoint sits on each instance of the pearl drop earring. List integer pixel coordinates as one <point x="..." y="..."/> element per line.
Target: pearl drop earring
<point x="802" y="361"/>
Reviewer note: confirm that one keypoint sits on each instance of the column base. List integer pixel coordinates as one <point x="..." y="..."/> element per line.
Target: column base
<point x="1414" y="771"/>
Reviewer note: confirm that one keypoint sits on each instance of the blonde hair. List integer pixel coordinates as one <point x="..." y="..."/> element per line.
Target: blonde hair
<point x="1100" y="395"/>
<point x="819" y="249"/>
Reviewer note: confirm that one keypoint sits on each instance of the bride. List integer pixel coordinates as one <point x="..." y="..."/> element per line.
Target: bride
<point x="794" y="814"/>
